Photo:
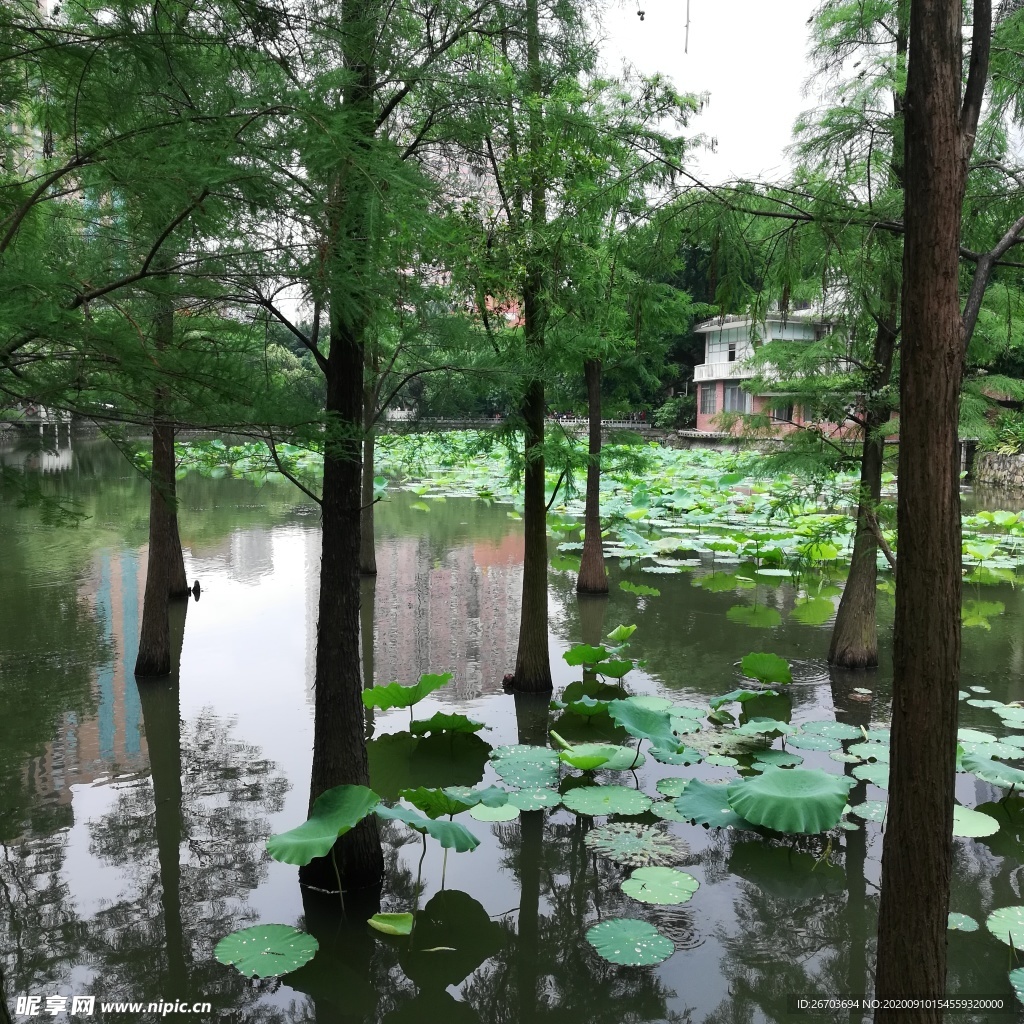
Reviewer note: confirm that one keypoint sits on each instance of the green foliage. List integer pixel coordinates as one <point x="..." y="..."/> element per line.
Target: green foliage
<point x="791" y="799"/>
<point x="630" y="942"/>
<point x="266" y="950"/>
<point x="392" y="924"/>
<point x="766" y="668"/>
<point x="395" y="695"/>
<point x="334" y="813"/>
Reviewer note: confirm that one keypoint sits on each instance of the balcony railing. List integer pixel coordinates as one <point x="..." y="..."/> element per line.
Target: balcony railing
<point x="717" y="371"/>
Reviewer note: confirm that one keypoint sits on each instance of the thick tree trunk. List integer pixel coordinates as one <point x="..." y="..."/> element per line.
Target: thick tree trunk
<point x="917" y="850"/>
<point x="593" y="577"/>
<point x="367" y="549"/>
<point x="533" y="663"/>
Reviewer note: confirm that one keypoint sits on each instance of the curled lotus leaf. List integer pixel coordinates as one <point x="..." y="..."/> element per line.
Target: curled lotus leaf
<point x="664" y="886"/>
<point x="766" y="668"/>
<point x="992" y="771"/>
<point x="266" y="950"/>
<point x="707" y="803"/>
<point x="739" y="695"/>
<point x="652" y="702"/>
<point x="395" y="695"/>
<point x="796" y="800"/>
<point x="636" y="845"/>
<point x="442" y="722"/>
<point x="450" y="834"/>
<point x="644" y="723"/>
<point x="334" y="813"/>
<point x="392" y="924"/>
<point x="632" y="943"/>
<point x="598" y="800"/>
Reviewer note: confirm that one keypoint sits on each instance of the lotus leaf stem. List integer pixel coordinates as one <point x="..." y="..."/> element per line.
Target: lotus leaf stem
<point x="337" y="875"/>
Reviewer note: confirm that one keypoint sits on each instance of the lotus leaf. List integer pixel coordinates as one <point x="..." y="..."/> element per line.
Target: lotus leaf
<point x="672" y="787"/>
<point x="995" y="748"/>
<point x="636" y="845"/>
<point x="492" y="796"/>
<point x="739" y="695"/>
<point x="442" y="722"/>
<point x="978" y="689"/>
<point x="974" y="736"/>
<point x="623" y="940"/>
<point x="871" y="810"/>
<point x="666" y="811"/>
<point x="1007" y="925"/>
<point x="1017" y="981"/>
<point x="655" y="726"/>
<point x="843" y="758"/>
<point x="961" y="923"/>
<point x="534" y="799"/>
<point x="606" y="756"/>
<point x="813" y="741"/>
<point x="598" y="800"/>
<point x="266" y="950"/>
<point x="992" y="771"/>
<point x="506" y="812"/>
<point x="587" y="706"/>
<point x="652" y="703"/>
<point x="707" y="803"/>
<point x="813" y="611"/>
<point x="766" y="668"/>
<point x="400" y="761"/>
<point x="395" y="695"/>
<point x="529" y="768"/>
<point x="435" y="803"/>
<point x="834" y="730"/>
<point x="764" y="727"/>
<point x="697" y="713"/>
<point x="795" y="800"/>
<point x="392" y="924"/>
<point x="684" y="756"/>
<point x="450" y="834"/>
<point x="585" y="654"/>
<point x="776" y="759"/>
<point x="1011" y="715"/>
<point x="876" y="773"/>
<point x="721" y="760"/>
<point x="871" y="751"/>
<point x="781" y="573"/>
<point x="334" y="813"/>
<point x="882" y="735"/>
<point x="978" y="702"/>
<point x="971" y="824"/>
<point x="664" y="886"/>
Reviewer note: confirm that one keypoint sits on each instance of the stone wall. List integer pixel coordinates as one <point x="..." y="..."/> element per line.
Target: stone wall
<point x="999" y="470"/>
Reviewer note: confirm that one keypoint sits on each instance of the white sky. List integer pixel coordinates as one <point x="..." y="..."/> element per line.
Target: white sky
<point x="750" y="55"/>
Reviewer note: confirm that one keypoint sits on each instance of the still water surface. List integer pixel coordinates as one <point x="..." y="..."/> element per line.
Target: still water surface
<point x="133" y="818"/>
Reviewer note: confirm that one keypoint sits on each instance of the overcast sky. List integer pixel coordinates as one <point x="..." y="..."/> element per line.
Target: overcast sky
<point x="750" y="55"/>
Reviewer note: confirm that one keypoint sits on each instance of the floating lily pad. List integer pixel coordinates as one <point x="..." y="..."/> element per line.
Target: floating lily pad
<point x="534" y="799"/>
<point x="651" y="703"/>
<point x="875" y="773"/>
<point x="598" y="800"/>
<point x="266" y="950"/>
<point x="527" y="767"/>
<point x="813" y="741"/>
<point x="506" y="812"/>
<point x="764" y="727"/>
<point x="664" y="886"/>
<point x="970" y="824"/>
<point x="992" y="771"/>
<point x="672" y="787"/>
<point x="843" y="758"/>
<point x="721" y="760"/>
<point x="334" y="813"/>
<point x="961" y="923"/>
<point x="684" y="756"/>
<point x="636" y="845"/>
<point x="739" y="695"/>
<point x="796" y="800"/>
<point x="1007" y="925"/>
<point x="623" y="940"/>
<point x="1017" y="981"/>
<point x="666" y="810"/>
<point x="756" y="615"/>
<point x="392" y="924"/>
<point x="871" y="751"/>
<point x="708" y="804"/>
<point x="870" y="810"/>
<point x="776" y="759"/>
<point x="835" y="730"/>
<point x="974" y="736"/>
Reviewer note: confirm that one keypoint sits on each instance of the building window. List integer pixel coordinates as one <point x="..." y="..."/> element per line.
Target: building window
<point x="783" y="414"/>
<point x="707" y="399"/>
<point x="732" y="351"/>
<point x="736" y="399"/>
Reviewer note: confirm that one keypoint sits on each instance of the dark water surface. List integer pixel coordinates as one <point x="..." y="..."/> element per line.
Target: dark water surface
<point x="133" y="818"/>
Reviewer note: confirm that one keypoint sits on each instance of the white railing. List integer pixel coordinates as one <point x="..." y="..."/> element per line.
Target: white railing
<point x="716" y="371"/>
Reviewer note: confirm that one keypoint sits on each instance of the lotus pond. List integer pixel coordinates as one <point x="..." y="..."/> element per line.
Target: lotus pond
<point x="689" y="831"/>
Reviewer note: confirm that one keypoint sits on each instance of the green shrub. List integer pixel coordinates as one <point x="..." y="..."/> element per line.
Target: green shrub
<point x="1007" y="435"/>
<point x="676" y="413"/>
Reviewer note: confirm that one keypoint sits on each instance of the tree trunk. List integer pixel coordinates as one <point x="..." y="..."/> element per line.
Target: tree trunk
<point x="593" y="578"/>
<point x="533" y="663"/>
<point x="367" y="550"/>
<point x="855" y="633"/>
<point x="917" y="849"/>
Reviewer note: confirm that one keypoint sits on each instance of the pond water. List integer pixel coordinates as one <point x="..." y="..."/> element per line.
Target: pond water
<point x="133" y="818"/>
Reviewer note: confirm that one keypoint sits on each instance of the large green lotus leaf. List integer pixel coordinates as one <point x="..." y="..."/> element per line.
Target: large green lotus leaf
<point x="1007" y="925"/>
<point x="776" y="759"/>
<point x="834" y="730"/>
<point x="877" y="773"/>
<point x="436" y="803"/>
<point x="644" y="723"/>
<point x="721" y="583"/>
<point x="993" y="748"/>
<point x="672" y="787"/>
<point x="813" y="741"/>
<point x="450" y="834"/>
<point x="606" y="756"/>
<point x="536" y="769"/>
<point x="395" y="695"/>
<point x="587" y="707"/>
<point x="624" y="940"/>
<point x="621" y="633"/>
<point x="871" y="751"/>
<point x="970" y="824"/>
<point x="585" y="654"/>
<point x="764" y="727"/>
<point x="992" y="771"/>
<point x="813" y="611"/>
<point x="598" y="800"/>
<point x="266" y="950"/>
<point x="766" y="668"/>
<point x="392" y="924"/>
<point x="739" y="695"/>
<point x="613" y="669"/>
<point x="442" y="722"/>
<point x="636" y="845"/>
<point x="399" y="761"/>
<point x="534" y="799"/>
<point x="1011" y="715"/>
<point x="795" y="800"/>
<point x="1017" y="981"/>
<point x="756" y="615"/>
<point x="683" y="756"/>
<point x="695" y="713"/>
<point x="664" y="886"/>
<point x="961" y="923"/>
<point x="707" y="803"/>
<point x="666" y="810"/>
<point x="652" y="703"/>
<point x="785" y="873"/>
<point x="974" y="736"/>
<point x="871" y="810"/>
<point x="334" y="812"/>
<point x="506" y="812"/>
<point x="491" y="796"/>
